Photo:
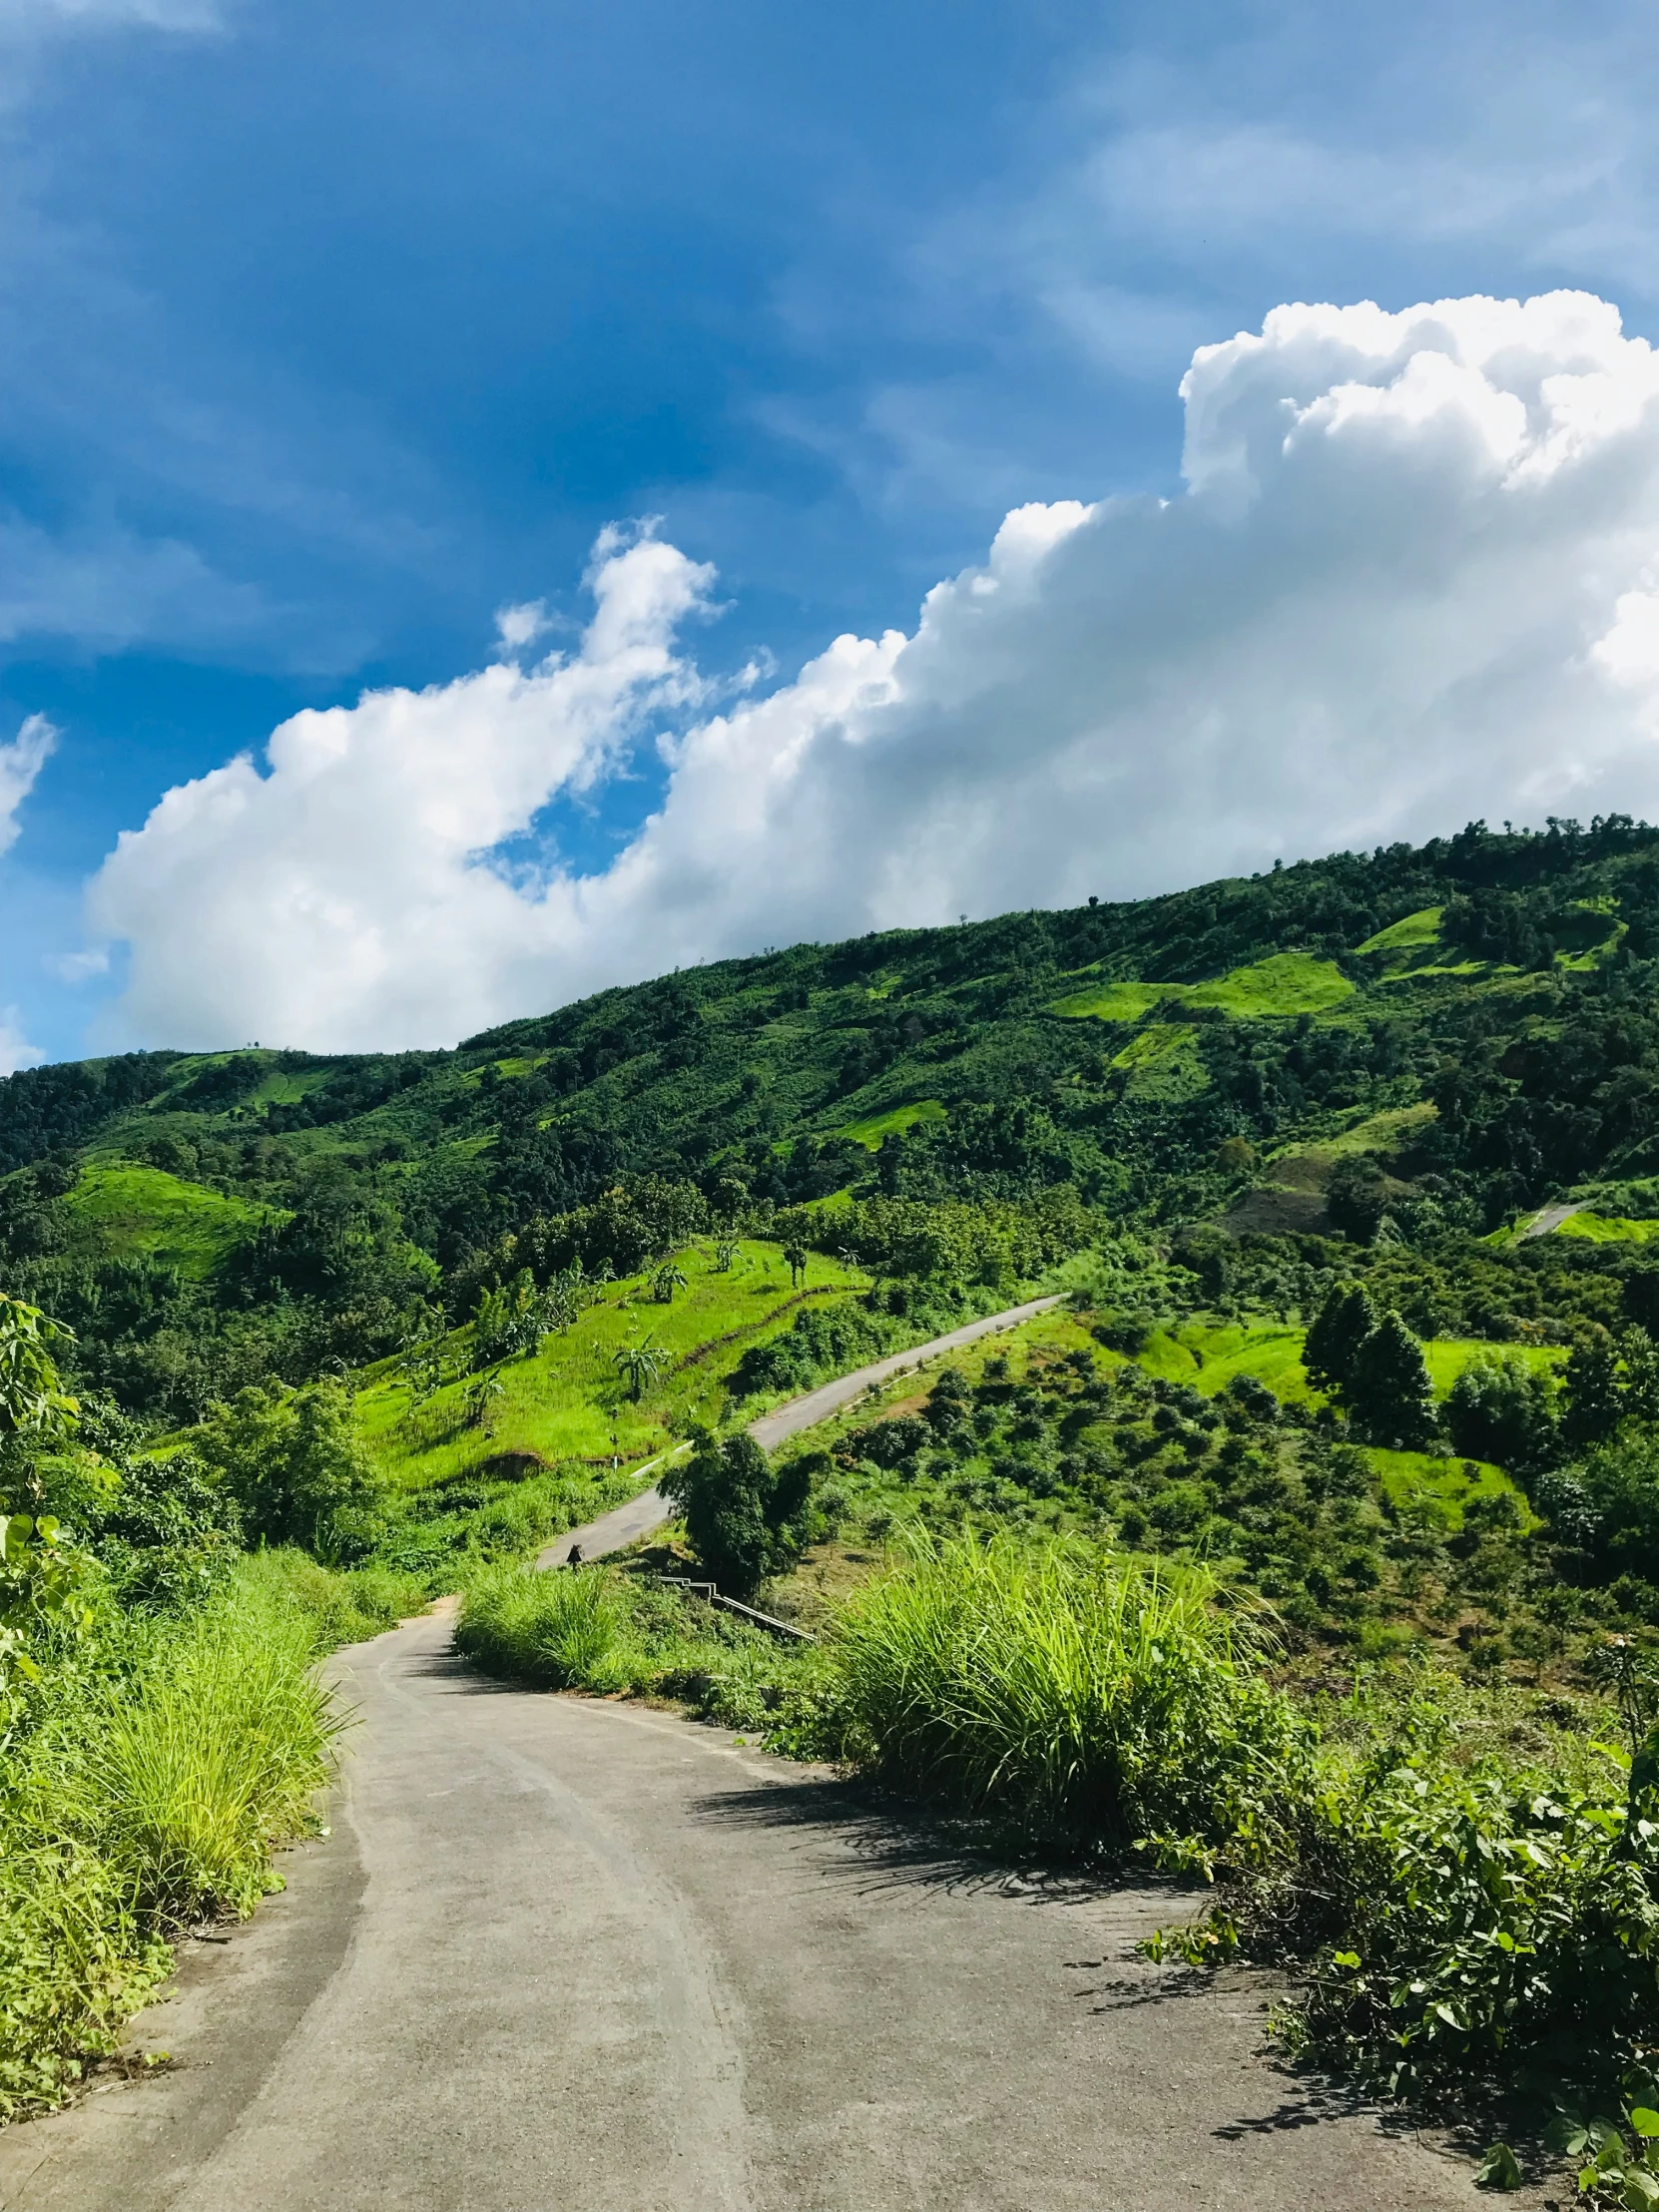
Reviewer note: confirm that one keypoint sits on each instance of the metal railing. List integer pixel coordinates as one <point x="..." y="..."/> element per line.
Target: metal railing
<point x="712" y="1596"/>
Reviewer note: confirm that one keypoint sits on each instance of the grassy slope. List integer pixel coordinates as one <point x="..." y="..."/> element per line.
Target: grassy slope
<point x="569" y="1401"/>
<point x="1282" y="985"/>
<point x="126" y="1211"/>
<point x="874" y="1127"/>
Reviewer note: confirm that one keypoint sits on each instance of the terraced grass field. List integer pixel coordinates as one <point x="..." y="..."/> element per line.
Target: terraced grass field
<point x="570" y="1401"/>
<point x="874" y="1127"/>
<point x="125" y="1212"/>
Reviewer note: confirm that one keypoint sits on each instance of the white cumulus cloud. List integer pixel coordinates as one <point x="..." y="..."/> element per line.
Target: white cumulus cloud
<point x="1413" y="576"/>
<point x="20" y="764"/>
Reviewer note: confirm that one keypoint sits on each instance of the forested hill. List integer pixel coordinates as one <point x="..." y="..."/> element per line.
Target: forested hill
<point x="1407" y="1049"/>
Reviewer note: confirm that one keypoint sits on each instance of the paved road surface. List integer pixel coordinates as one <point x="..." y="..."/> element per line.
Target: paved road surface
<point x="1551" y="1217"/>
<point x="616" y="1531"/>
<point x="563" y="1953"/>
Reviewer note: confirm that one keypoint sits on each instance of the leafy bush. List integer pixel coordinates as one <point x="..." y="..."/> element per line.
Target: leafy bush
<point x="1504" y="1410"/>
<point x="293" y="1464"/>
<point x="1466" y="1922"/>
<point x="745" y="1518"/>
<point x="1063" y="1691"/>
<point x="144" y="1786"/>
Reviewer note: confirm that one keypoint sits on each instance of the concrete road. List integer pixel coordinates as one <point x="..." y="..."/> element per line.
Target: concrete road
<point x="1548" y="1220"/>
<point x="559" y="1953"/>
<point x="616" y="1531"/>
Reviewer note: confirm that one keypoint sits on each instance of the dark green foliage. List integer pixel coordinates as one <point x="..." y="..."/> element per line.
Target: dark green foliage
<point x="168" y="1532"/>
<point x="1591" y="1395"/>
<point x="744" y="1520"/>
<point x="1388" y="1390"/>
<point x="1502" y="1410"/>
<point x="1339" y="1328"/>
<point x="296" y="1470"/>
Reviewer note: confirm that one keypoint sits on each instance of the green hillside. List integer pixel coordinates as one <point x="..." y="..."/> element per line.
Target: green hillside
<point x="1396" y="1054"/>
<point x="1345" y="1178"/>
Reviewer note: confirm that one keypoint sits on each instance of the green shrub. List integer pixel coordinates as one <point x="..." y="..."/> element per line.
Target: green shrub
<point x="143" y="1786"/>
<point x="744" y="1520"/>
<point x="296" y="1469"/>
<point x="1502" y="1410"/>
<point x="1467" y="1919"/>
<point x="1066" y="1692"/>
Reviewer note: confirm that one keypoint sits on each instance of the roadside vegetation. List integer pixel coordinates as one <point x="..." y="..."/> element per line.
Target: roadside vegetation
<point x="1311" y="1549"/>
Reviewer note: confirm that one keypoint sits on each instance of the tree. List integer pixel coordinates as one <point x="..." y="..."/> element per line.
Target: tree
<point x="293" y="1463"/>
<point x="1341" y="1326"/>
<point x="1594" y="1399"/>
<point x="1502" y="1410"/>
<point x="795" y="1259"/>
<point x="744" y="1520"/>
<point x="641" y="1363"/>
<point x="482" y="1396"/>
<point x="1388" y="1389"/>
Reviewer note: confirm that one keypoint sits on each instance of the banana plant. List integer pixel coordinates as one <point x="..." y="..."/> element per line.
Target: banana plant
<point x="641" y="1363"/>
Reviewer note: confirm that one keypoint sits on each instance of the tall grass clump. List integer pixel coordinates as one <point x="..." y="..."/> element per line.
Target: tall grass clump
<point x="569" y="1631"/>
<point x="593" y="1628"/>
<point x="147" y="1783"/>
<point x="184" y="1773"/>
<point x="1064" y="1692"/>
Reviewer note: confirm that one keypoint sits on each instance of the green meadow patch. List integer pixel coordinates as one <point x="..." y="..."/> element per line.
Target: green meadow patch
<point x="1407" y="936"/>
<point x="874" y="1127"/>
<point x="1415" y="1480"/>
<point x="1281" y="986"/>
<point x="571" y="1399"/>
<point x="1607" y="1229"/>
<point x="123" y="1211"/>
<point x="1208" y="1354"/>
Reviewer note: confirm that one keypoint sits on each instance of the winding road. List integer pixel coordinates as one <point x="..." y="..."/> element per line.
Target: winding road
<point x="562" y="1953"/>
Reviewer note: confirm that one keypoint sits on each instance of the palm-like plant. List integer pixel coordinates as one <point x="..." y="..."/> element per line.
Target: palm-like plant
<point x="665" y="1280"/>
<point x="484" y="1393"/>
<point x="726" y="1251"/>
<point x="641" y="1363"/>
<point x="795" y="1259"/>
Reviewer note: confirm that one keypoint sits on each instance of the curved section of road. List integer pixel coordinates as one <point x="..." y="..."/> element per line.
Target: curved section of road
<point x="614" y="1531"/>
<point x="564" y="1953"/>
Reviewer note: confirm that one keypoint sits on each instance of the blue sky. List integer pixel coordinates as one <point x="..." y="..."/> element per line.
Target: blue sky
<point x="326" y="332"/>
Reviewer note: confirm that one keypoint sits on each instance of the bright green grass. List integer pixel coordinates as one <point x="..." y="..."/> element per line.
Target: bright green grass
<point x="507" y="1070"/>
<point x="1114" y="1001"/>
<point x="1284" y="984"/>
<point x="874" y="1127"/>
<point x="569" y="1399"/>
<point x="1607" y="1229"/>
<point x="1413" y="1478"/>
<point x="125" y="1212"/>
<point x="284" y="1087"/>
<point x="1405" y="936"/>
<point x="1208" y="1354"/>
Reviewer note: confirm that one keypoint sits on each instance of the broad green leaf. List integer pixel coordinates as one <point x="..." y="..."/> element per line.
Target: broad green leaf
<point x="1500" y="2169"/>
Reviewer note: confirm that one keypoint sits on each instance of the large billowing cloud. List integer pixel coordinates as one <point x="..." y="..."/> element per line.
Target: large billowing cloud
<point x="1413" y="575"/>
